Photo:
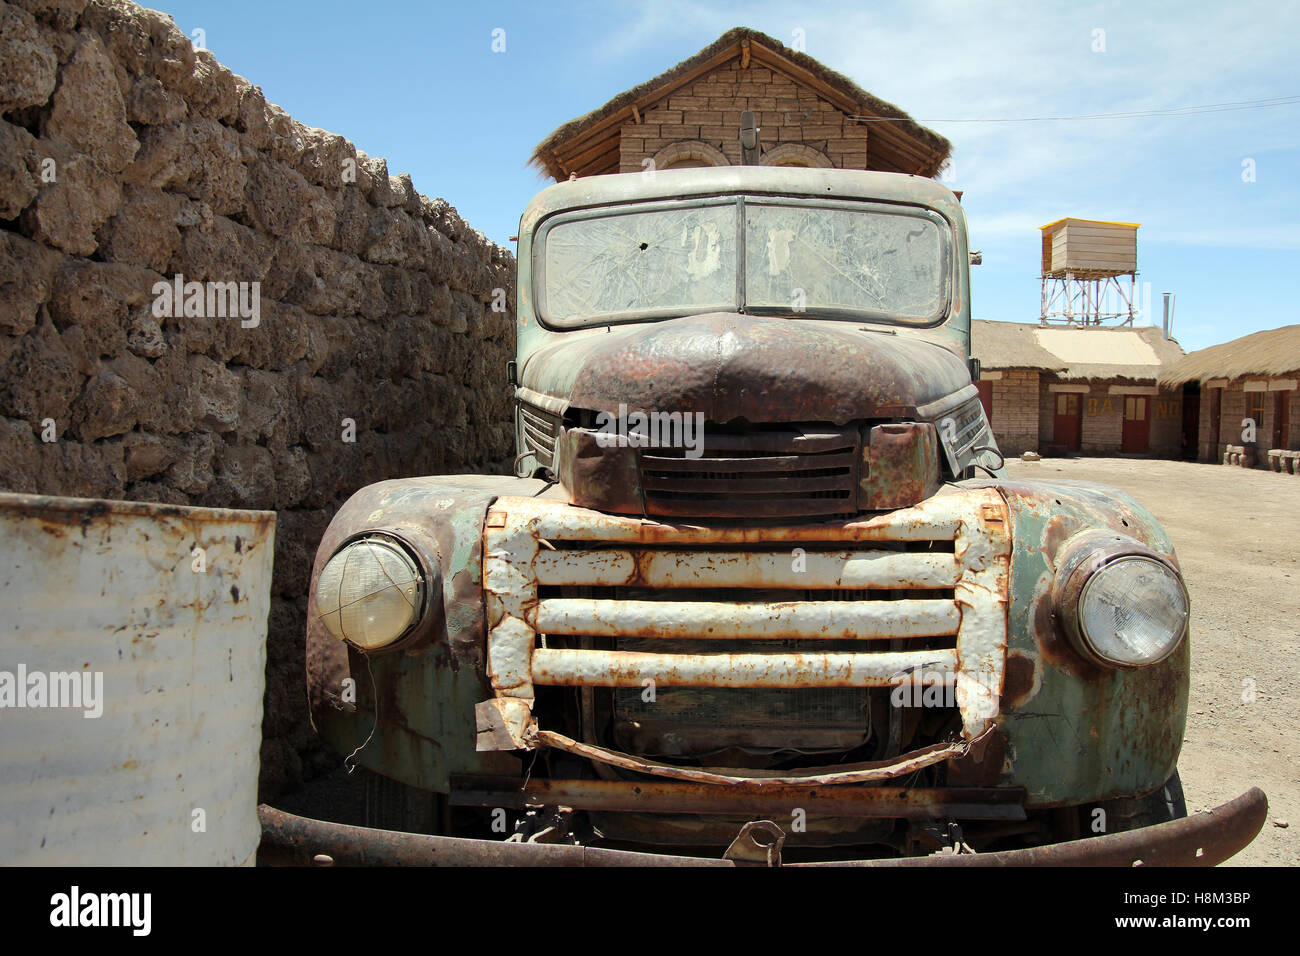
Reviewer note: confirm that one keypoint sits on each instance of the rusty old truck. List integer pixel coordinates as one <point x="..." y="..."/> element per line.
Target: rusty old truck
<point x="760" y="589"/>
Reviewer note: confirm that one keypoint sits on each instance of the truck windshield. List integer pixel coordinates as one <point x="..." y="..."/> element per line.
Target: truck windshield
<point x="842" y="260"/>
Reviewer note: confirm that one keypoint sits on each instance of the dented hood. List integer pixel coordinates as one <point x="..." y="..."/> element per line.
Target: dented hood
<point x="760" y="369"/>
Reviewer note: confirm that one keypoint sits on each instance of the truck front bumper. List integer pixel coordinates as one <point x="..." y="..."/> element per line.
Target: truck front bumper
<point x="1202" y="839"/>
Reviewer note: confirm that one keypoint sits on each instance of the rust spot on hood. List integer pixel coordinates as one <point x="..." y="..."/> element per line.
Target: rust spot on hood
<point x="1018" y="684"/>
<point x="1060" y="528"/>
<point x="738" y="367"/>
<point x="1055" y="646"/>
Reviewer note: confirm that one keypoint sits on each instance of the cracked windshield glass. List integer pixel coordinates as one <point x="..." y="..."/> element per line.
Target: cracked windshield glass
<point x="802" y="259"/>
<point x="798" y="259"/>
<point x="658" y="263"/>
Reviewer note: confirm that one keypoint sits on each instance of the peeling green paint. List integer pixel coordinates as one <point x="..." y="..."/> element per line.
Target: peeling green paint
<point x="1084" y="733"/>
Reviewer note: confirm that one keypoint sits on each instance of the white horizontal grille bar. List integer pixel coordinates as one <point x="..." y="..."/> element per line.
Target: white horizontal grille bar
<point x="823" y="570"/>
<point x="576" y="524"/>
<point x="708" y="619"/>
<point x="630" y="669"/>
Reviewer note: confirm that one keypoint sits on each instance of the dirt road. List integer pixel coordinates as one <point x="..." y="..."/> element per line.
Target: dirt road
<point x="1235" y="532"/>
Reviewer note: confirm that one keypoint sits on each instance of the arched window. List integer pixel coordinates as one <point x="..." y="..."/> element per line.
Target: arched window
<point x="796" y="154"/>
<point x="689" y="153"/>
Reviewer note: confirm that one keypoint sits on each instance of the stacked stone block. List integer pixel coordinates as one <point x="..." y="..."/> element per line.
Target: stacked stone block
<point x="385" y="321"/>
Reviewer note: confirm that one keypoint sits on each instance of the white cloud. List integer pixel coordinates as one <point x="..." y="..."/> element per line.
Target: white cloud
<point x="1180" y="176"/>
<point x="940" y="60"/>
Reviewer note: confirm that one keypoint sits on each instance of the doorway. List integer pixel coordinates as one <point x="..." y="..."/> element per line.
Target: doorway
<point x="1137" y="425"/>
<point x="1216" y="416"/>
<point x="1281" y="420"/>
<point x="1191" y="420"/>
<point x="1067" y="429"/>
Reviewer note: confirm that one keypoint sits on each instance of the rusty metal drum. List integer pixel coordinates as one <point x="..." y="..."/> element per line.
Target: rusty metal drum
<point x="132" y="658"/>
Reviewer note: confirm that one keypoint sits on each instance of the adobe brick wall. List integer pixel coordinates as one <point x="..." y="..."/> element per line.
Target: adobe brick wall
<point x="1167" y="424"/>
<point x="1024" y="416"/>
<point x="127" y="157"/>
<point x="1210" y="437"/>
<point x="1234" y="409"/>
<point x="1103" y="419"/>
<point x="709" y="110"/>
<point x="1015" y="411"/>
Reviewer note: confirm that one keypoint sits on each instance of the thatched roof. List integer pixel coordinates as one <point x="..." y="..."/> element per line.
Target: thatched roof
<point x="903" y="144"/>
<point x="1079" y="353"/>
<point x="1266" y="354"/>
<point x="1010" y="345"/>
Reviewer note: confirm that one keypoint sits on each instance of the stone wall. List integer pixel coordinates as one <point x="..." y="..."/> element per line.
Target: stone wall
<point x="370" y="342"/>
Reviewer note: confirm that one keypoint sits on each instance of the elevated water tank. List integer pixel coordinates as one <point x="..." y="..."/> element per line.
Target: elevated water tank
<point x="1089" y="248"/>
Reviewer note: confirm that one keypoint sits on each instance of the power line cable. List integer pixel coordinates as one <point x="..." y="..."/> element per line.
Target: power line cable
<point x="1128" y="114"/>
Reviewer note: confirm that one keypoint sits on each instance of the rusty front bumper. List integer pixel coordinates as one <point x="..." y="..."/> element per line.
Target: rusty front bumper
<point x="1202" y="839"/>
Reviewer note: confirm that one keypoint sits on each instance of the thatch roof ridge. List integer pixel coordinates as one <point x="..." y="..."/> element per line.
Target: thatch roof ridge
<point x="866" y="102"/>
<point x="1167" y="352"/>
<point x="1010" y="345"/>
<point x="1268" y="353"/>
<point x="1014" y="345"/>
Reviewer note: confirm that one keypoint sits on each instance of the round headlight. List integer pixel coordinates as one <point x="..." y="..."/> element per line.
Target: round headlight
<point x="370" y="593"/>
<point x="1133" y="611"/>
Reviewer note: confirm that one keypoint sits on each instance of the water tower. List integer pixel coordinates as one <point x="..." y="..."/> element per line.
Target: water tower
<point x="1085" y="262"/>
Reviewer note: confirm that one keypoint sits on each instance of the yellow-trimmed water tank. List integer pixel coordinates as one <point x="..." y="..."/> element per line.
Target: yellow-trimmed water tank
<point x="1089" y="248"/>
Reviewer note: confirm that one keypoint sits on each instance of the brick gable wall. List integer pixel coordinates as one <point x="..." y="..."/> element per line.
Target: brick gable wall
<point x="708" y="109"/>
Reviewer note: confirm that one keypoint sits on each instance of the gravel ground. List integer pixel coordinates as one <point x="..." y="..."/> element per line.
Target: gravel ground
<point x="1235" y="533"/>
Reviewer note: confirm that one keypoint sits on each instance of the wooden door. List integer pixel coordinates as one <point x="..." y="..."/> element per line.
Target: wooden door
<point x="1067" y="430"/>
<point x="1281" y="420"/>
<point x="1137" y="424"/>
<point x="1216" y="416"/>
<point x="1191" y="424"/>
<point x="986" y="399"/>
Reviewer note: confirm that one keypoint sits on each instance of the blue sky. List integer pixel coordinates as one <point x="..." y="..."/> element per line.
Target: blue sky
<point x="419" y="84"/>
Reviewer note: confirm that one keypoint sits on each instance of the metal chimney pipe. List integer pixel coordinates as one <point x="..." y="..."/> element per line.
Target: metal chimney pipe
<point x="1165" y="323"/>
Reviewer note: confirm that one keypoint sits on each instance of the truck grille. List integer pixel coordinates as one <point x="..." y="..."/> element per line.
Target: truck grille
<point x="539" y="430"/>
<point x="691" y="721"/>
<point x="860" y="604"/>
<point x="785" y="472"/>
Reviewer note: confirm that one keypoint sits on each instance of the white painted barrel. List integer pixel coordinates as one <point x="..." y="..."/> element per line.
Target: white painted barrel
<point x="154" y="617"/>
